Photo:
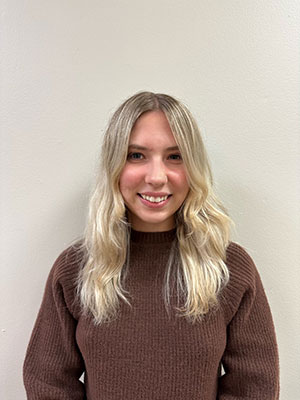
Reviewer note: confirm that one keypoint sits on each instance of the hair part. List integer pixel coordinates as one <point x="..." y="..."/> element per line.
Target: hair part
<point x="197" y="258"/>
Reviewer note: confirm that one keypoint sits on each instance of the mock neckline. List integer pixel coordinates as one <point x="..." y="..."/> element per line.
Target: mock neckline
<point x="153" y="237"/>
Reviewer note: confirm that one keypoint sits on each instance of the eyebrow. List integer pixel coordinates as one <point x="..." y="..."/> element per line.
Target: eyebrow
<point x="138" y="147"/>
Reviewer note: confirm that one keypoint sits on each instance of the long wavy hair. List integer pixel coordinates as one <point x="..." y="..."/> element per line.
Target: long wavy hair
<point x="197" y="257"/>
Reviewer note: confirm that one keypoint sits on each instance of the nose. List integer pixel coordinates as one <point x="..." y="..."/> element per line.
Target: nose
<point x="156" y="174"/>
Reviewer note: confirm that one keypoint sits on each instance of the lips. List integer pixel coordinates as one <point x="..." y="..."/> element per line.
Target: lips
<point x="154" y="204"/>
<point x="155" y="195"/>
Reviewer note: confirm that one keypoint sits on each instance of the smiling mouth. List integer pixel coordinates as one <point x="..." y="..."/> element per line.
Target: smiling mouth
<point x="153" y="199"/>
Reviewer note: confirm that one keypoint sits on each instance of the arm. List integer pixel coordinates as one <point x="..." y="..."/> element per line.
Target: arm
<point x="250" y="360"/>
<point x="53" y="363"/>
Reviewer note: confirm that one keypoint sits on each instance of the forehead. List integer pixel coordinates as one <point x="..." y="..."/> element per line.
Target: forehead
<point x="152" y="127"/>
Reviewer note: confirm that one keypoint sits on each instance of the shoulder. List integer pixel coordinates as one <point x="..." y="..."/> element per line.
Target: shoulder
<point x="67" y="265"/>
<point x="63" y="277"/>
<point x="240" y="264"/>
<point x="244" y="279"/>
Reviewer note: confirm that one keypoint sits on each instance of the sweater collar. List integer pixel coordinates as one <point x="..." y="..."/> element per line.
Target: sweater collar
<point x="152" y="237"/>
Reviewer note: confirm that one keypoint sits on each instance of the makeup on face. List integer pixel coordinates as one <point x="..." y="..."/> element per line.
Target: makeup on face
<point x="153" y="182"/>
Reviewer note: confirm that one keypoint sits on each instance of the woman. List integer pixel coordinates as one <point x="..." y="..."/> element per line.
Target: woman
<point x="155" y="298"/>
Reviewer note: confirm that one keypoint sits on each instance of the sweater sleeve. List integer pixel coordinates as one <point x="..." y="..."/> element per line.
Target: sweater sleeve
<point x="53" y="362"/>
<point x="250" y="360"/>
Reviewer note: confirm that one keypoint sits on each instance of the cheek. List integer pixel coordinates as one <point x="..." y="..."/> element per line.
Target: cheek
<point x="129" y="178"/>
<point x="180" y="179"/>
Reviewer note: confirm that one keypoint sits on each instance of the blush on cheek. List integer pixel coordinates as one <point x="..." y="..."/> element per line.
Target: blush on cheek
<point x="130" y="178"/>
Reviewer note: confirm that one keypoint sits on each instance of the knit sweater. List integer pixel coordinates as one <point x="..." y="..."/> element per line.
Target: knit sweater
<point x="145" y="354"/>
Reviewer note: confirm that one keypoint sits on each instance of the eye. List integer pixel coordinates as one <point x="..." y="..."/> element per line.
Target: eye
<point x="176" y="157"/>
<point x="134" y="156"/>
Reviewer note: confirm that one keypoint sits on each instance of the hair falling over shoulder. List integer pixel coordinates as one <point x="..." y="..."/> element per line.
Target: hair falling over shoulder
<point x="203" y="225"/>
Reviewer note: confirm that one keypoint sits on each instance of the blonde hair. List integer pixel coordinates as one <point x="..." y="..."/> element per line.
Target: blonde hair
<point x="202" y="223"/>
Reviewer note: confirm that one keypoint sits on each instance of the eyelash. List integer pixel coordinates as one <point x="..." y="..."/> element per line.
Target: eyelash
<point x="133" y="158"/>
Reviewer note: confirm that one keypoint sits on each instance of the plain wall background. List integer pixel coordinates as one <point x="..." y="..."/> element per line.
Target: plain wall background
<point x="66" y="65"/>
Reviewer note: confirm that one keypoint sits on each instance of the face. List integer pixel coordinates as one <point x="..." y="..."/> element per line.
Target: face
<point x="153" y="182"/>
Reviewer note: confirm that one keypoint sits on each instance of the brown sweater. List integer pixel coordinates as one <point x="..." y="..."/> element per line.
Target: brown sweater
<point x="143" y="354"/>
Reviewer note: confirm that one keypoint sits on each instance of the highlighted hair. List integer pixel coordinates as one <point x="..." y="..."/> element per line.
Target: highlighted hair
<point x="197" y="257"/>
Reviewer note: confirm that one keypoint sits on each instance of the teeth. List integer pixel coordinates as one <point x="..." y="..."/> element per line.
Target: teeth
<point x="154" y="199"/>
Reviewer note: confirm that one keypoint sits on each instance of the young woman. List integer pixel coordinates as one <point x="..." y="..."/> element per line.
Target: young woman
<point x="155" y="301"/>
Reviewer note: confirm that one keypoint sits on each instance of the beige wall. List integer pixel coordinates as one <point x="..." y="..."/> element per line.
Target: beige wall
<point x="65" y="65"/>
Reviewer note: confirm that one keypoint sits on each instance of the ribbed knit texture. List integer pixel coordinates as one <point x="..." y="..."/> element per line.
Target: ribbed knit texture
<point x="145" y="354"/>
